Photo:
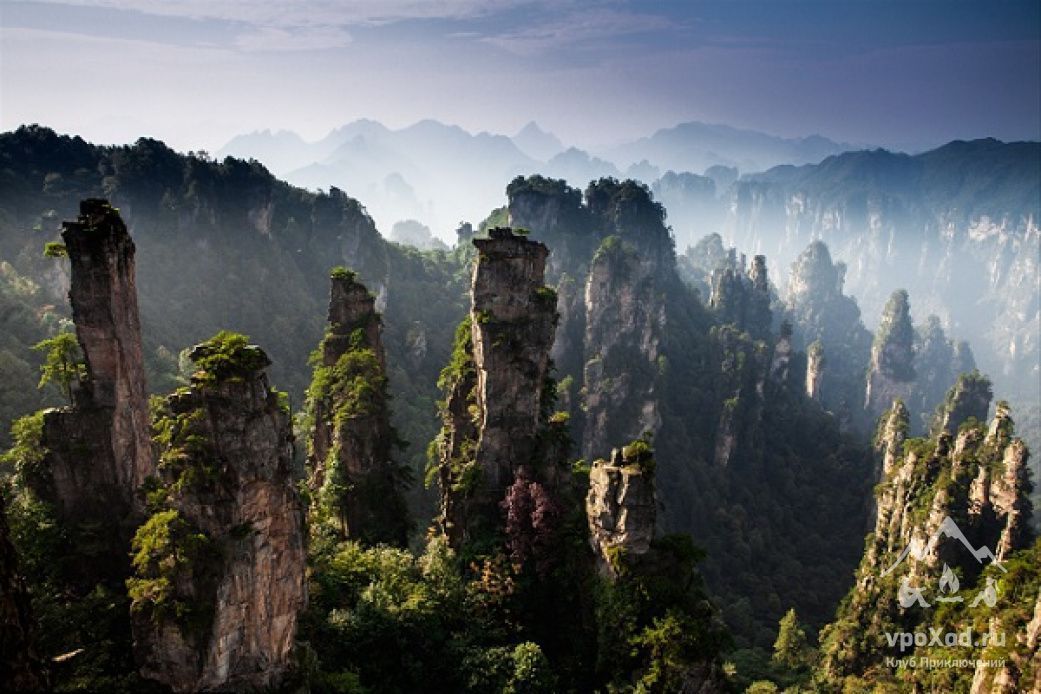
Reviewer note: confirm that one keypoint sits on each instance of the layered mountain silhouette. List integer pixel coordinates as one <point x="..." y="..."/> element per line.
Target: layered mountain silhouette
<point x="441" y="174"/>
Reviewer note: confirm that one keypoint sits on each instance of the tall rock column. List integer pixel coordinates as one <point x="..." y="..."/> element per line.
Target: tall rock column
<point x="99" y="449"/>
<point x="219" y="566"/>
<point x="514" y="318"/>
<point x="625" y="321"/>
<point x="497" y="384"/>
<point x="352" y="474"/>
<point x="891" y="371"/>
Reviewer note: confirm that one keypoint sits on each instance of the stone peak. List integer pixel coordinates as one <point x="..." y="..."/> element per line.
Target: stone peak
<point x="96" y="213"/>
<point x="507" y="240"/>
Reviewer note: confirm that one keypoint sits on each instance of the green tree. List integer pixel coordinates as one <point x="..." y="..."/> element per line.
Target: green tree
<point x="55" y="250"/>
<point x="63" y="362"/>
<point x="791" y="648"/>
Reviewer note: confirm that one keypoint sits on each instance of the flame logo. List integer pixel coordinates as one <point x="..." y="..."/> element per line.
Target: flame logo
<point x="948" y="586"/>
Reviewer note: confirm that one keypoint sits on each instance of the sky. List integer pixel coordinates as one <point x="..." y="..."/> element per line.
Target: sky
<point x="905" y="74"/>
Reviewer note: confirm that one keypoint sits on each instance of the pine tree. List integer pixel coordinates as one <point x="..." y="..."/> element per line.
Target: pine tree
<point x="791" y="647"/>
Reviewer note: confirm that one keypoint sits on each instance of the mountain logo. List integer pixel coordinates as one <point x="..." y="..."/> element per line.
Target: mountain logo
<point x="948" y="528"/>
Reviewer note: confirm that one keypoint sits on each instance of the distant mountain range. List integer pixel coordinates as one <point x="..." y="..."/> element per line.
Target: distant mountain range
<point x="441" y="174"/>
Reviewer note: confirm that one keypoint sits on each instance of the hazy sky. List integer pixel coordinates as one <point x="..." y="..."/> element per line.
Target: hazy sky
<point x="196" y="72"/>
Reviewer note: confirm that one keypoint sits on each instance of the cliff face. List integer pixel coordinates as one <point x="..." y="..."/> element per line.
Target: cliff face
<point x="514" y="318"/>
<point x="497" y="398"/>
<point x="20" y="669"/>
<point x="352" y="473"/>
<point x="891" y="371"/>
<point x="220" y="564"/>
<point x="964" y="483"/>
<point x="921" y="223"/>
<point x="693" y="367"/>
<point x="99" y="450"/>
<point x="555" y="211"/>
<point x="815" y="365"/>
<point x="741" y="296"/>
<point x="625" y="322"/>
<point x="822" y="314"/>
<point x="916" y="366"/>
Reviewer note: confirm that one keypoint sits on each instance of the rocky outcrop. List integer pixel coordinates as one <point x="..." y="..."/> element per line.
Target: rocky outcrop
<point x="353" y="477"/>
<point x="497" y="396"/>
<point x="957" y="227"/>
<point x="988" y="482"/>
<point x="99" y="449"/>
<point x="20" y="669"/>
<point x="632" y="562"/>
<point x="891" y="371"/>
<point x="514" y="319"/>
<point x="1021" y="669"/>
<point x="741" y="297"/>
<point x="945" y="505"/>
<point x="554" y="212"/>
<point x="620" y="506"/>
<point x="917" y="366"/>
<point x="219" y="567"/>
<point x="969" y="398"/>
<point x="612" y="261"/>
<point x="938" y="361"/>
<point x="820" y="313"/>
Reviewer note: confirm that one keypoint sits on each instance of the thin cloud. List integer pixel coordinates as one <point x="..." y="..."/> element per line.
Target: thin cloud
<point x="576" y="28"/>
<point x="303" y="13"/>
<point x="273" y="39"/>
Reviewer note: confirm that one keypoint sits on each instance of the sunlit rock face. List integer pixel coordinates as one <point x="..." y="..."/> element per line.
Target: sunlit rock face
<point x="514" y="318"/>
<point x="620" y="507"/>
<point x="947" y="506"/>
<point x="232" y="506"/>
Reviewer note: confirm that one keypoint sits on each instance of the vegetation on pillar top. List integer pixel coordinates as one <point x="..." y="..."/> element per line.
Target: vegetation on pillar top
<point x="639" y="455"/>
<point x="227" y="356"/>
<point x="343" y="274"/>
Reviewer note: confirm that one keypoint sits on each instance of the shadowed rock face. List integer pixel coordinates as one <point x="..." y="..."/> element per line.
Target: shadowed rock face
<point x="352" y="441"/>
<point x="514" y="318"/>
<point x="245" y="588"/>
<point x="20" y="670"/>
<point x="625" y="325"/>
<point x="99" y="449"/>
<point x="104" y="308"/>
<point x="495" y="400"/>
<point x="891" y="372"/>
